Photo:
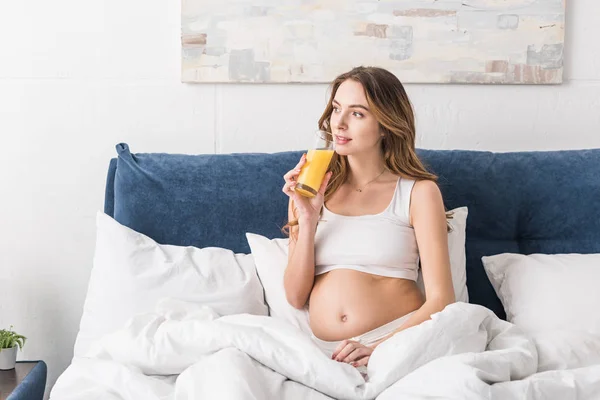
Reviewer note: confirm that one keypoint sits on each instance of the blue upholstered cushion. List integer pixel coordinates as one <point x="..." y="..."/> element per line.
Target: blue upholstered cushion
<point x="34" y="384"/>
<point x="207" y="200"/>
<point x="523" y="202"/>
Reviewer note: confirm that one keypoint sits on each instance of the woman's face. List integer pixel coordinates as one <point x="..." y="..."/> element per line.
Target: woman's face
<point x="354" y="127"/>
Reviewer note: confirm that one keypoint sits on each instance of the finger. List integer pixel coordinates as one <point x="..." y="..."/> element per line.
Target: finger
<point x="356" y="354"/>
<point x="291" y="175"/>
<point x="299" y="200"/>
<point x="325" y="183"/>
<point x="301" y="162"/>
<point x="350" y="347"/>
<point x="339" y="348"/>
<point x="362" y="362"/>
<point x="288" y="188"/>
<point x="297" y="168"/>
<point x="345" y="351"/>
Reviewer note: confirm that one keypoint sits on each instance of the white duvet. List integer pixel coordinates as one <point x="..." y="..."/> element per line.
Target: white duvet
<point x="186" y="351"/>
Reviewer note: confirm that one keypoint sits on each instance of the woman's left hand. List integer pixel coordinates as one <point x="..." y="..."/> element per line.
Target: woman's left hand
<point x="352" y="352"/>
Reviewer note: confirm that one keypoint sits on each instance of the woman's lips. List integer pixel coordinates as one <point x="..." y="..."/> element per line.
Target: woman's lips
<point x="341" y="139"/>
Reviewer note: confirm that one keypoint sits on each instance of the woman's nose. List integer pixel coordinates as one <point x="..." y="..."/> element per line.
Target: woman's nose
<point x="341" y="123"/>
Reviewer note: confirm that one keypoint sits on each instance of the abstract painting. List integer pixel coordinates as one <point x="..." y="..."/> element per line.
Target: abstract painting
<point x="420" y="41"/>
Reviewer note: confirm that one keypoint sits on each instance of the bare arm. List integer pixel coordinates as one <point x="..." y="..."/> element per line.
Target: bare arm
<point x="300" y="272"/>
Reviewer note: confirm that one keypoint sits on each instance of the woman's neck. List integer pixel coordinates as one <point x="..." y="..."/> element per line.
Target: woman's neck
<point x="364" y="168"/>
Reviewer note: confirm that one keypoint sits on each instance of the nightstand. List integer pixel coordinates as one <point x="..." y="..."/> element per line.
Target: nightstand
<point x="26" y="382"/>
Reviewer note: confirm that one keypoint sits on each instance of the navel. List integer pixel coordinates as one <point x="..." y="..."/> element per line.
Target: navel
<point x="344" y="318"/>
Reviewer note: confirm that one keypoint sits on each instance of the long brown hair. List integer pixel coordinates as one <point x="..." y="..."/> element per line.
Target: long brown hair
<point x="392" y="108"/>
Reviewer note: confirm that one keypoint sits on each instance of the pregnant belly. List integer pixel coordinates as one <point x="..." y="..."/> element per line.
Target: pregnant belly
<point x="346" y="303"/>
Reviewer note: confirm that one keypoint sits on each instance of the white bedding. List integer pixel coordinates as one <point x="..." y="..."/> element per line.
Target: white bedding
<point x="186" y="351"/>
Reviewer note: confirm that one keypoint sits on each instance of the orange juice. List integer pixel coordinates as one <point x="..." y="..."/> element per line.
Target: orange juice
<point x="313" y="171"/>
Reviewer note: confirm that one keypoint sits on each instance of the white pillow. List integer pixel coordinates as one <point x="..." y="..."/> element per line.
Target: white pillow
<point x="132" y="272"/>
<point x="271" y="257"/>
<point x="542" y="292"/>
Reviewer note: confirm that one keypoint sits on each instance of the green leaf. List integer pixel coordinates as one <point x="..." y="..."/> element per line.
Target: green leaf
<point x="10" y="339"/>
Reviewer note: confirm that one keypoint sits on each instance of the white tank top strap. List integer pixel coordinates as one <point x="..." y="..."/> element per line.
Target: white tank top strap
<point x="400" y="205"/>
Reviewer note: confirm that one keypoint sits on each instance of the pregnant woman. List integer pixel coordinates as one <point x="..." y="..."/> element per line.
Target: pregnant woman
<point x="355" y="248"/>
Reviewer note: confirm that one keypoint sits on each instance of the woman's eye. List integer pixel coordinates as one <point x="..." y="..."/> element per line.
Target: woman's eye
<point x="357" y="114"/>
<point x="335" y="109"/>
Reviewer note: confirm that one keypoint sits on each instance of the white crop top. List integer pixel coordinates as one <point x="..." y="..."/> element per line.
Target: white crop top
<point x="381" y="244"/>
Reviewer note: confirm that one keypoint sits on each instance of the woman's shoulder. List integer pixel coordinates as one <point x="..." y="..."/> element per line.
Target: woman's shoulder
<point x="425" y="192"/>
<point x="425" y="188"/>
<point x="426" y="198"/>
<point x="394" y="176"/>
<point x="423" y="184"/>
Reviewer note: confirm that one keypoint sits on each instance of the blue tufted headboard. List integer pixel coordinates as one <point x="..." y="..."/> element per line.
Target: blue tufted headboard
<point x="520" y="202"/>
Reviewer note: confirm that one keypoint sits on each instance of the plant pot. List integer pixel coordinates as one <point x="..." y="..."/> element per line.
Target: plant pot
<point x="8" y="358"/>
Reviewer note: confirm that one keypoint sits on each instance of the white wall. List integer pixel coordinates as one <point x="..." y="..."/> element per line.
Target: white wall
<point x="78" y="77"/>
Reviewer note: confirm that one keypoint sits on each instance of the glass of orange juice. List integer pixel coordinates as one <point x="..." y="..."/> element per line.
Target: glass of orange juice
<point x="317" y="161"/>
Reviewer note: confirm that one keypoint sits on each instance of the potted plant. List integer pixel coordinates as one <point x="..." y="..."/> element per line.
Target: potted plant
<point x="9" y="340"/>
